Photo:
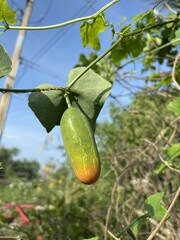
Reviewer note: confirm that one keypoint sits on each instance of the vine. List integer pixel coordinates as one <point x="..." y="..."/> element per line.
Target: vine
<point x="59" y="25"/>
<point x="122" y="36"/>
<point x="88" y="90"/>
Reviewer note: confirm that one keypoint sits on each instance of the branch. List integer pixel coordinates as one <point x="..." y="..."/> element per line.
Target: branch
<point x="174" y="72"/>
<point x="162" y="160"/>
<point x="6" y="90"/>
<point x="165" y="216"/>
<point x="113" y="236"/>
<point x="61" y="24"/>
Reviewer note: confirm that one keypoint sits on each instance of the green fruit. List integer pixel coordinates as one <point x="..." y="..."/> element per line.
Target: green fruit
<point x="80" y="145"/>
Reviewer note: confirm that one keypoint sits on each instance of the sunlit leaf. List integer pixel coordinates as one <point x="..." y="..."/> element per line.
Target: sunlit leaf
<point x="172" y="153"/>
<point x="5" y="62"/>
<point x="175" y="106"/>
<point x="145" y="18"/>
<point x="166" y="81"/>
<point x="154" y="207"/>
<point x="90" y="32"/>
<point x="7" y="14"/>
<point x="177" y="38"/>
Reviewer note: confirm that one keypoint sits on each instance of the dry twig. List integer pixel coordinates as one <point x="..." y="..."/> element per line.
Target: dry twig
<point x="154" y="232"/>
<point x="174" y="72"/>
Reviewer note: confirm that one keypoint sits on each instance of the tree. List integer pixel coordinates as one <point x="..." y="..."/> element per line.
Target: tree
<point x="17" y="168"/>
<point x="6" y="157"/>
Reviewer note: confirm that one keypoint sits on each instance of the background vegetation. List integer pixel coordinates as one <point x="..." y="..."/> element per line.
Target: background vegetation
<point x="138" y="144"/>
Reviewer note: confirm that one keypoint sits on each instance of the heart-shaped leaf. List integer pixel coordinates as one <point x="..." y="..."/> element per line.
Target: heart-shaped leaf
<point x="5" y="62"/>
<point x="88" y="93"/>
<point x="154" y="207"/>
<point x="48" y="106"/>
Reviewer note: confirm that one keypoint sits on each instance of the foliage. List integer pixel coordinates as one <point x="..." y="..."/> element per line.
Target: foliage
<point x="127" y="190"/>
<point x="127" y="150"/>
<point x="154" y="207"/>
<point x="88" y="94"/>
<point x="90" y="32"/>
<point x="5" y="63"/>
<point x="6" y="156"/>
<point x="138" y="144"/>
<point x="7" y="14"/>
<point x="105" y="67"/>
<point x="17" y="168"/>
<point x="175" y="106"/>
<point x="173" y="153"/>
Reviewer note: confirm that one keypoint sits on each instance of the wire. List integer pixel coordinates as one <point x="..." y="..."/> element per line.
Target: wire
<point x="44" y="15"/>
<point x="40" y="68"/>
<point x="52" y="41"/>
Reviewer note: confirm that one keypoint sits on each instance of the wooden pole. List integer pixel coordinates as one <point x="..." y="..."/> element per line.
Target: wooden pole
<point x="9" y="83"/>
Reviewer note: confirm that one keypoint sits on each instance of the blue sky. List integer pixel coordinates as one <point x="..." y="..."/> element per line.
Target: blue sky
<point x="48" y="56"/>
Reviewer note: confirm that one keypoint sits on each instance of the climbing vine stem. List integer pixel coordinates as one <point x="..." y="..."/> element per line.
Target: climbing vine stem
<point x="9" y="27"/>
<point x="6" y="90"/>
<point x="118" y="41"/>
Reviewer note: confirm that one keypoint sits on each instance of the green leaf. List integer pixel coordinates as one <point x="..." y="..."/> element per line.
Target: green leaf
<point x="154" y="207"/>
<point x="137" y="225"/>
<point x="5" y="62"/>
<point x="177" y="38"/>
<point x="88" y="93"/>
<point x="130" y="47"/>
<point x="172" y="153"/>
<point x="167" y="81"/>
<point x="48" y="106"/>
<point x="90" y="32"/>
<point x="1" y="167"/>
<point x="6" y="13"/>
<point x="135" y="45"/>
<point x="118" y="54"/>
<point x="104" y="67"/>
<point x="175" y="106"/>
<point x="160" y="167"/>
<point x="144" y="19"/>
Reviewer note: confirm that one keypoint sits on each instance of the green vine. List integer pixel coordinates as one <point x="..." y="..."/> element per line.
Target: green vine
<point x="122" y="36"/>
<point x="66" y="95"/>
<point x="91" y="17"/>
<point x="6" y="90"/>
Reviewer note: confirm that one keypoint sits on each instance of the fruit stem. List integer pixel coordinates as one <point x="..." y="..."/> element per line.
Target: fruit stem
<point x="66" y="95"/>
